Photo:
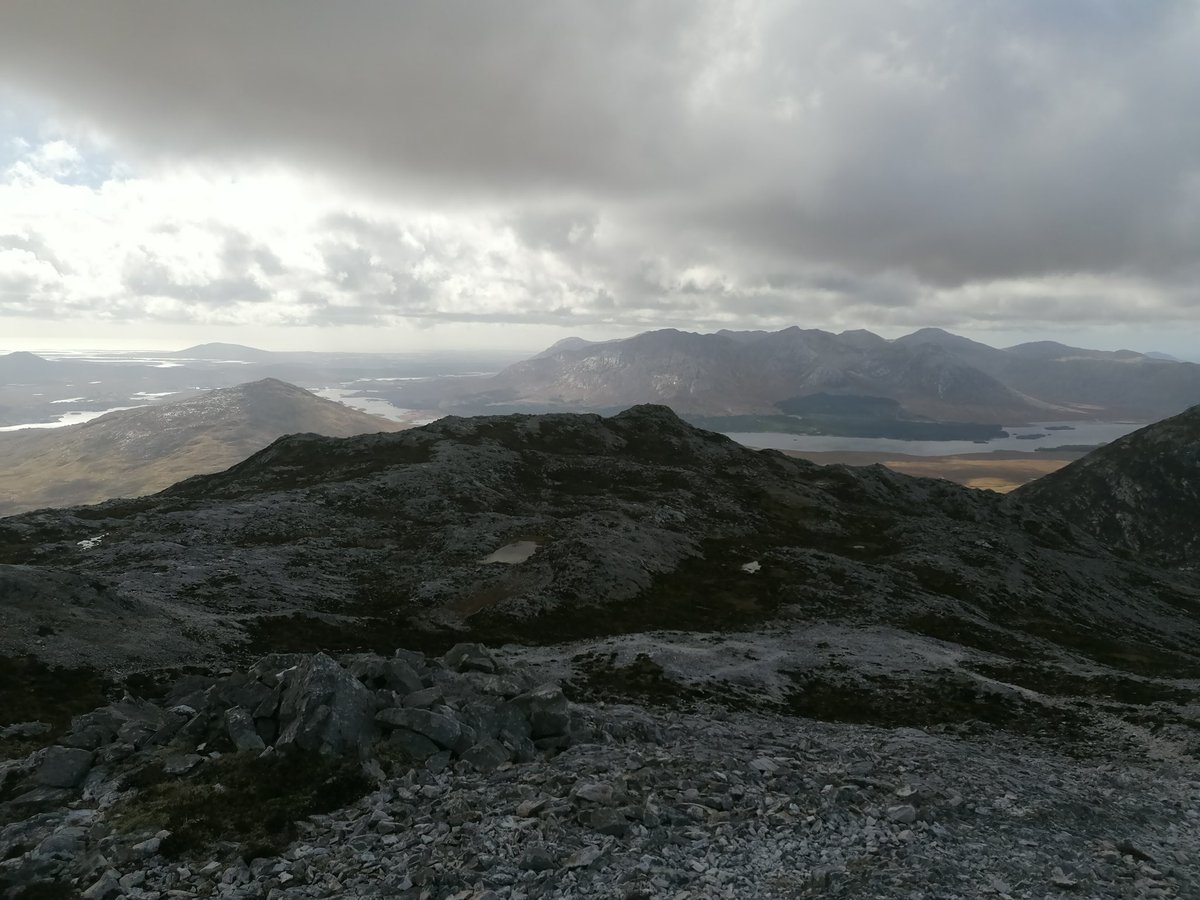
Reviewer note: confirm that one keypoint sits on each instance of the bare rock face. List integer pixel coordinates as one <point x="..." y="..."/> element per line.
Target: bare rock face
<point x="324" y="708"/>
<point x="1139" y="494"/>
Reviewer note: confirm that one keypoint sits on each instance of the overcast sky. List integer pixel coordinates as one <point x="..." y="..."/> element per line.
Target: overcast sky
<point x="391" y="175"/>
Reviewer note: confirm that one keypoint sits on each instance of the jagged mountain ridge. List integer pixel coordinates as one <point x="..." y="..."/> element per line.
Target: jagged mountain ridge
<point x="139" y="451"/>
<point x="639" y="521"/>
<point x="1140" y="494"/>
<point x="932" y="373"/>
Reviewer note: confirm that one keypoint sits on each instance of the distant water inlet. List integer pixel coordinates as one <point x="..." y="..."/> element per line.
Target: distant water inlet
<point x="1035" y="436"/>
<point x="70" y="418"/>
<point x="511" y="554"/>
<point x="376" y="406"/>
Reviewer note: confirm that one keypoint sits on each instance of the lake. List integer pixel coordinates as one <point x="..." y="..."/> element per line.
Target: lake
<point x="1087" y="433"/>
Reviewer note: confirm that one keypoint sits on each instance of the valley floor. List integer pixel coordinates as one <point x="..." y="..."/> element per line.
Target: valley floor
<point x="999" y="470"/>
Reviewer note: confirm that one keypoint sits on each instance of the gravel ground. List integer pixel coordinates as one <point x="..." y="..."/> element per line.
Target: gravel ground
<point x="718" y="804"/>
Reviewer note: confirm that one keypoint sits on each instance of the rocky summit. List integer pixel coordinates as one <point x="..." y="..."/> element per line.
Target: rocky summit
<point x="566" y="655"/>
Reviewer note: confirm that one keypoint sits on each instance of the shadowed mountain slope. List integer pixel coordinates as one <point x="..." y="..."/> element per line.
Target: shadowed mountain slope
<point x="140" y="451"/>
<point x="1140" y="493"/>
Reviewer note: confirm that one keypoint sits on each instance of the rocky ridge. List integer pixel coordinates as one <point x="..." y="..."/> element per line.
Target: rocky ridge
<point x="1140" y="494"/>
<point x="715" y="673"/>
<point x="319" y="542"/>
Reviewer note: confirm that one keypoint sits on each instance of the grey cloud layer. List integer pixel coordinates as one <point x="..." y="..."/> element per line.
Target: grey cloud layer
<point x="749" y="158"/>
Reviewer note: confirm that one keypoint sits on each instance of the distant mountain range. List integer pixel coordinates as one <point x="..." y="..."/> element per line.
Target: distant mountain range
<point x="931" y="374"/>
<point x="141" y="451"/>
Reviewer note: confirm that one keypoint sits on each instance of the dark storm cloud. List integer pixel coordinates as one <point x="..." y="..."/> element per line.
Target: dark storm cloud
<point x="486" y="96"/>
<point x="754" y="154"/>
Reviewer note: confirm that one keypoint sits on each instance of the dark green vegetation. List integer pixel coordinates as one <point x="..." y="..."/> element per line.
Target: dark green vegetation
<point x="46" y="890"/>
<point x="255" y="801"/>
<point x="641" y="681"/>
<point x="31" y="691"/>
<point x="832" y="694"/>
<point x="946" y="700"/>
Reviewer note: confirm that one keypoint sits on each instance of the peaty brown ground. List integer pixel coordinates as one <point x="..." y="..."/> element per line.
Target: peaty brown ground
<point x="999" y="470"/>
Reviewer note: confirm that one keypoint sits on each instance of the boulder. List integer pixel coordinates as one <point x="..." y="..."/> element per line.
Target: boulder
<point x="487" y="755"/>
<point x="414" y="658"/>
<point x="508" y="722"/>
<point x="415" y="746"/>
<point x="324" y="708"/>
<point x="443" y="730"/>
<point x="401" y="677"/>
<point x="547" y="710"/>
<point x="240" y="726"/>
<point x="181" y="764"/>
<point x="64" y="767"/>
<point x="107" y="887"/>
<point x="271" y="668"/>
<point x="424" y="698"/>
<point x="539" y="858"/>
<point x="24" y="730"/>
<point x="470" y="658"/>
<point x="66" y="843"/>
<point x="241" y="690"/>
<point x="609" y="821"/>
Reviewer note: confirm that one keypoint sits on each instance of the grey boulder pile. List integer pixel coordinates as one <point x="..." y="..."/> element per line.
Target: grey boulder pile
<point x="462" y="711"/>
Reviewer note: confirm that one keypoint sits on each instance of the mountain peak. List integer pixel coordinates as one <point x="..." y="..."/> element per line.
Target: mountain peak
<point x="138" y="451"/>
<point x="23" y="360"/>
<point x="218" y="350"/>
<point x="566" y="344"/>
<point x="270" y="386"/>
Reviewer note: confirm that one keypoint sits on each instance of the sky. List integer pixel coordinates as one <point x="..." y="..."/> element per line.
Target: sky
<point x="376" y="175"/>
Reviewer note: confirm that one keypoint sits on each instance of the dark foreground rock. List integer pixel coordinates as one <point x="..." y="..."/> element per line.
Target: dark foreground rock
<point x="501" y="787"/>
<point x="225" y="764"/>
